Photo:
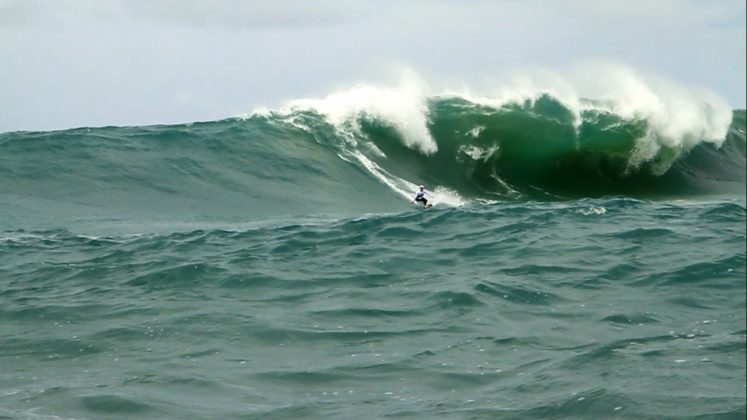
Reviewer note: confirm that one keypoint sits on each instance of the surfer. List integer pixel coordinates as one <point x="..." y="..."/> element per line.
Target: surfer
<point x="420" y="196"/>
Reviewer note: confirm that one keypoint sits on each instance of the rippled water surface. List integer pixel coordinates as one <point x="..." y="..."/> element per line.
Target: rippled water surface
<point x="591" y="308"/>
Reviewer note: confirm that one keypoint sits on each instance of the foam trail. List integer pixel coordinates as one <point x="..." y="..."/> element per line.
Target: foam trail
<point x="448" y="197"/>
<point x="440" y="195"/>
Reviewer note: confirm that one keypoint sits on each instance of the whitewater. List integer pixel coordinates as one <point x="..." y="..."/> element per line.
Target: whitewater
<point x="585" y="258"/>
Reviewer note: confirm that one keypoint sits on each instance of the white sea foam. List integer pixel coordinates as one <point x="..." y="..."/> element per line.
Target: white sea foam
<point x="443" y="196"/>
<point x="478" y="153"/>
<point x="678" y="117"/>
<point x="593" y="210"/>
<point x="402" y="105"/>
<point x="475" y="132"/>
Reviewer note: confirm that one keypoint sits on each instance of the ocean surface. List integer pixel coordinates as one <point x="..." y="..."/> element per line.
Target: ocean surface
<point x="581" y="260"/>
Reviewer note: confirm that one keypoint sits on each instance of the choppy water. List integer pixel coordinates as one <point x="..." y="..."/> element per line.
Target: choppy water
<point x="271" y="267"/>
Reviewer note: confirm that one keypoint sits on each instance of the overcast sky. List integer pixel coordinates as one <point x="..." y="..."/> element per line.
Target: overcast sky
<point x="71" y="63"/>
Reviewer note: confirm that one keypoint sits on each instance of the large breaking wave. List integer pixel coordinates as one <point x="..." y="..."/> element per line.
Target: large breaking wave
<point x="365" y="149"/>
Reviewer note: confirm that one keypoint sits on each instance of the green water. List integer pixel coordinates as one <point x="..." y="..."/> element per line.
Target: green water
<point x="255" y="269"/>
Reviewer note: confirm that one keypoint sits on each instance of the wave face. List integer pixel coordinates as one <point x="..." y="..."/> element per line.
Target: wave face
<point x="541" y="149"/>
<point x="308" y="160"/>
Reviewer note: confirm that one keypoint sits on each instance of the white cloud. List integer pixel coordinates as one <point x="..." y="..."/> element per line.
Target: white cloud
<point x="91" y="62"/>
<point x="249" y="14"/>
<point x="227" y="14"/>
